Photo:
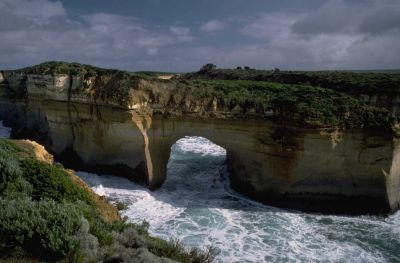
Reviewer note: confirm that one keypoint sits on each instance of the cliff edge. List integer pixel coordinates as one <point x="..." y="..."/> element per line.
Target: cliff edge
<point x="299" y="145"/>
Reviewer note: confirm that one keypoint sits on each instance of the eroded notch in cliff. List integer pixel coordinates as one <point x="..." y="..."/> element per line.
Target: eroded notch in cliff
<point x="143" y="122"/>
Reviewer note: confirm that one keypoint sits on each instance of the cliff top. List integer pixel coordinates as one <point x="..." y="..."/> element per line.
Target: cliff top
<point x="74" y="68"/>
<point x="353" y="83"/>
<point x="311" y="99"/>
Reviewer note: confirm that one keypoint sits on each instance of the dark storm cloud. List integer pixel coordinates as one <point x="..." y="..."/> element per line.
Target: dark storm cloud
<point x="383" y="20"/>
<point x="323" y="34"/>
<point x="333" y="17"/>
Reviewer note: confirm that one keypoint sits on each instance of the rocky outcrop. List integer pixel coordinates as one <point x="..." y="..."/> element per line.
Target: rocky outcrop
<point x="390" y="102"/>
<point x="36" y="150"/>
<point x="332" y="170"/>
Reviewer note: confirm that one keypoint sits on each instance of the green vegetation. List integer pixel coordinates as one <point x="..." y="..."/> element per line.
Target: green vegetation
<point x="61" y="67"/>
<point x="74" y="68"/>
<point x="44" y="229"/>
<point x="46" y="216"/>
<point x="312" y="99"/>
<point x="294" y="104"/>
<point x="348" y="82"/>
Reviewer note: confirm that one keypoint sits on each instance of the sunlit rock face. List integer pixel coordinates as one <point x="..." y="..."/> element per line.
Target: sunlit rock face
<point x="311" y="169"/>
<point x="314" y="170"/>
<point x="84" y="136"/>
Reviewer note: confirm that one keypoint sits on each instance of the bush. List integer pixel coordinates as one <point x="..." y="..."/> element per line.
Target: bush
<point x="45" y="216"/>
<point x="51" y="182"/>
<point x="44" y="229"/>
<point x="9" y="164"/>
<point x="174" y="249"/>
<point x="99" y="228"/>
<point x="294" y="104"/>
<point x="121" y="206"/>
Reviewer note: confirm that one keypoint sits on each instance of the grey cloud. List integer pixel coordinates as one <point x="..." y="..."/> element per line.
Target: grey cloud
<point x="270" y="26"/>
<point x="47" y="33"/>
<point x="339" y="35"/>
<point x="21" y="14"/>
<point x="333" y="17"/>
<point x="383" y="20"/>
<point x="340" y="16"/>
<point x="182" y="33"/>
<point x="212" y="26"/>
<point x="362" y="34"/>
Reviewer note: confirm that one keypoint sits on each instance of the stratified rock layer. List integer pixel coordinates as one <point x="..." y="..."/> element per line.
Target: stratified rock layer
<point x="312" y="169"/>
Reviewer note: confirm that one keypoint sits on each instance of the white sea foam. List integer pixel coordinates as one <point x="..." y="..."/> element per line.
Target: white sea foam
<point x="4" y="131"/>
<point x="196" y="205"/>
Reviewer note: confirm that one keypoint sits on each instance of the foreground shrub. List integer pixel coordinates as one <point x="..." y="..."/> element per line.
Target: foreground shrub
<point x="44" y="215"/>
<point x="51" y="182"/>
<point x="44" y="229"/>
<point x="174" y="249"/>
<point x="9" y="164"/>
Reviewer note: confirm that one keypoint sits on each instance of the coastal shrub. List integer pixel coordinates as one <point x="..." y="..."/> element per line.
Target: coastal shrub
<point x="353" y="83"/>
<point x="89" y="246"/>
<point x="136" y="237"/>
<point x="9" y="164"/>
<point x="44" y="229"/>
<point x="51" y="182"/>
<point x="99" y="228"/>
<point x="129" y="238"/>
<point x="16" y="189"/>
<point x="294" y="104"/>
<point x="174" y="249"/>
<point x="12" y="184"/>
<point x="121" y="206"/>
<point x="45" y="216"/>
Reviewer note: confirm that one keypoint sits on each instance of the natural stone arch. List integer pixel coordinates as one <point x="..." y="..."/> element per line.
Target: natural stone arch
<point x="288" y="167"/>
<point x="311" y="169"/>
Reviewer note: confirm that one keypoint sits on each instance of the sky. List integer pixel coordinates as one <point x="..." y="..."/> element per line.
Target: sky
<point x="183" y="35"/>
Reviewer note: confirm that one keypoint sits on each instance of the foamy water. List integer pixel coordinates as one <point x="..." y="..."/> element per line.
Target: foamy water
<point x="196" y="205"/>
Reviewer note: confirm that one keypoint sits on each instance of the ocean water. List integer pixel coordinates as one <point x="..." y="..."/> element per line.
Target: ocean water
<point x="196" y="205"/>
<point x="4" y="131"/>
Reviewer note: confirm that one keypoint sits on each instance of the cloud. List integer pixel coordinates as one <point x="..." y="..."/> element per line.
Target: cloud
<point x="212" y="26"/>
<point x="35" y="31"/>
<point x="270" y="26"/>
<point x="382" y="20"/>
<point x="338" y="34"/>
<point x="19" y="14"/>
<point x="333" y="17"/>
<point x="183" y="33"/>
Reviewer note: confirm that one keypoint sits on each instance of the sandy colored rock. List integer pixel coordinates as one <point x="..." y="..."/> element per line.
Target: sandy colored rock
<point x="315" y="169"/>
<point x="33" y="148"/>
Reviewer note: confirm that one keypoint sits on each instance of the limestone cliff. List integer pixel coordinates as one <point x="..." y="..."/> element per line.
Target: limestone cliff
<point x="126" y="125"/>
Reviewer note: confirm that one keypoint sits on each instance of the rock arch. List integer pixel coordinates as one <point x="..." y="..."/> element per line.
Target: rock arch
<point x="310" y="169"/>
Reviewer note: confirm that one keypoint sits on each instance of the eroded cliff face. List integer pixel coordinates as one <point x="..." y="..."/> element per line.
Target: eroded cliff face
<point x="313" y="169"/>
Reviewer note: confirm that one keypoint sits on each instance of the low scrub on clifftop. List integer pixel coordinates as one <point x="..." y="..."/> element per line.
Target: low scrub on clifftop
<point x="311" y="99"/>
<point x="47" y="216"/>
<point x="294" y="104"/>
<point x="344" y="81"/>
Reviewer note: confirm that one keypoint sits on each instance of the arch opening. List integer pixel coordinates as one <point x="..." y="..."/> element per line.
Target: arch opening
<point x="196" y="167"/>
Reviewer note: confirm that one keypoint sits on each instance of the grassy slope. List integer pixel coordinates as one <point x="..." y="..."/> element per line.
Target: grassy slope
<point x="49" y="214"/>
